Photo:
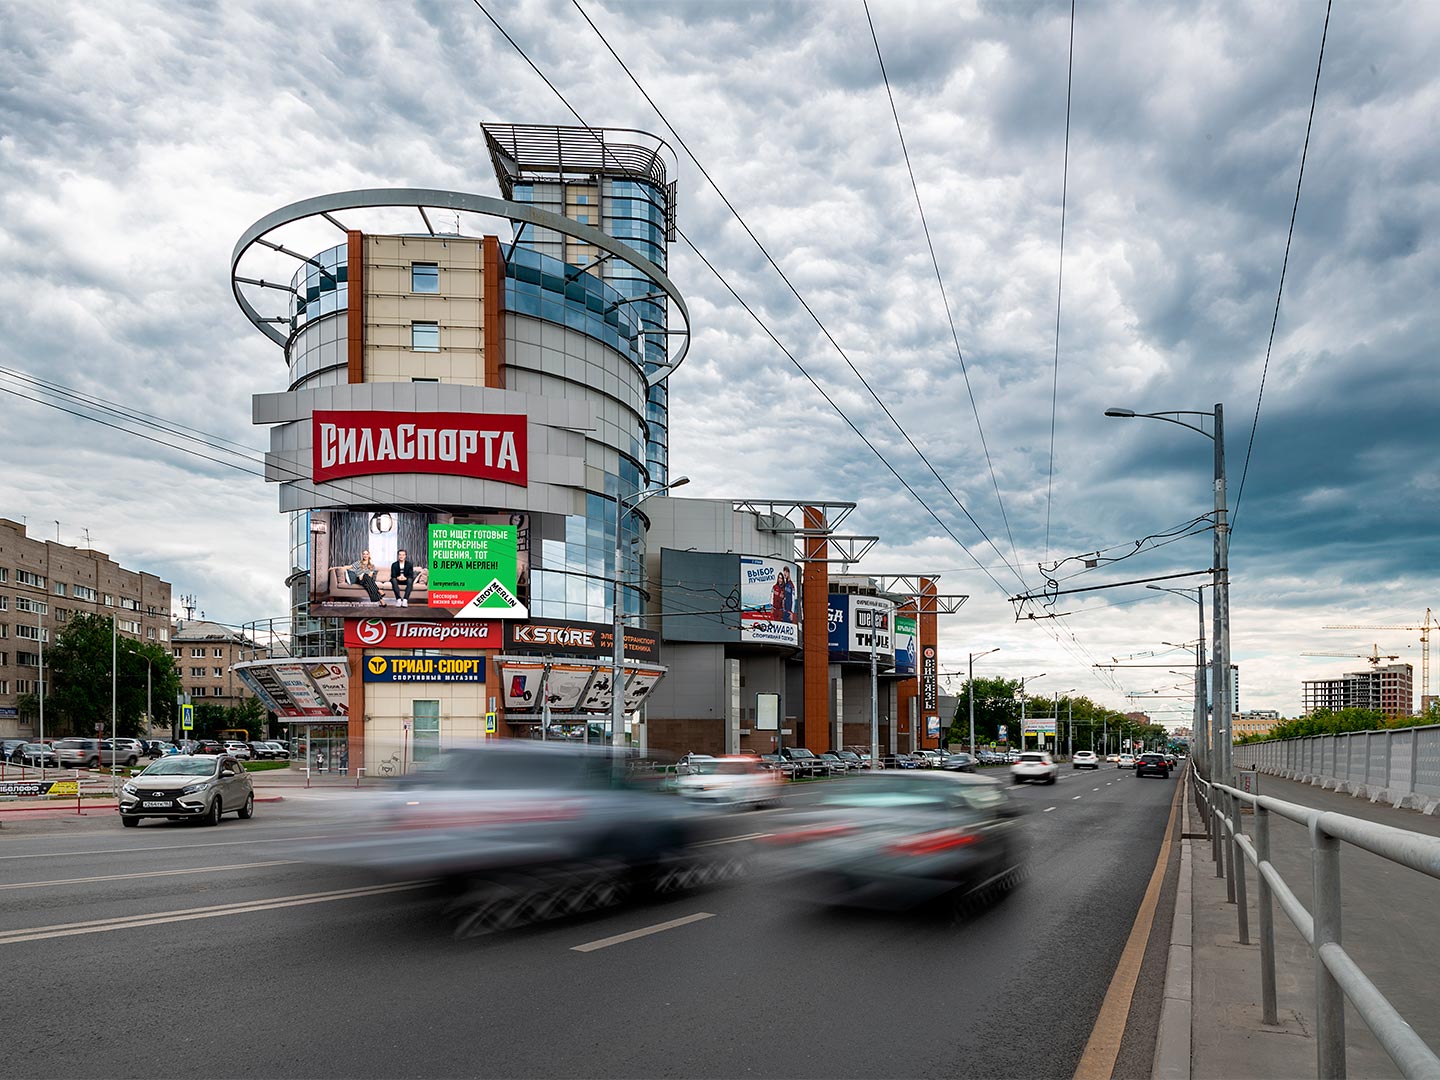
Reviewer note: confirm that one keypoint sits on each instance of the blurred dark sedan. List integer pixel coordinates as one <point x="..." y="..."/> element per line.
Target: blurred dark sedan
<point x="958" y="763"/>
<point x="902" y="839"/>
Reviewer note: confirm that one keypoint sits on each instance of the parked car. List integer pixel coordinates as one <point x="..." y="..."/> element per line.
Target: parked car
<point x="205" y="746"/>
<point x="899" y="761"/>
<point x="901" y="839"/>
<point x="1152" y="764"/>
<point x="121" y="751"/>
<point x="733" y="780"/>
<point x="838" y="766"/>
<point x="929" y="759"/>
<point x="78" y="753"/>
<point x="278" y="751"/>
<point x="958" y="763"/>
<point x="8" y="747"/>
<point x="1085" y="759"/>
<point x="238" y="749"/>
<point x="1034" y="765"/>
<point x="855" y="761"/>
<point x="776" y="763"/>
<point x="188" y="786"/>
<point x="36" y="754"/>
<point x="806" y="761"/>
<point x="1126" y="761"/>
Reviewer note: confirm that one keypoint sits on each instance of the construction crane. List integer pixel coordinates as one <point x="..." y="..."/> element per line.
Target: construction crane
<point x="1374" y="655"/>
<point x="1424" y="627"/>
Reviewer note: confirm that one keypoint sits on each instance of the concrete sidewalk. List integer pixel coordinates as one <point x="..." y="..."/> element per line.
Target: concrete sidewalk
<point x="1387" y="928"/>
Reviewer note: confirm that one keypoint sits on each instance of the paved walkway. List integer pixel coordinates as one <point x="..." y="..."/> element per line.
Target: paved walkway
<point x="1388" y="928"/>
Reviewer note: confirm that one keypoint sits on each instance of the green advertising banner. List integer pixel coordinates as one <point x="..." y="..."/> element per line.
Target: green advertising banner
<point x="472" y="571"/>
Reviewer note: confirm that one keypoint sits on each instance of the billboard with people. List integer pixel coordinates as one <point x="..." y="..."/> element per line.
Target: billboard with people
<point x="769" y="601"/>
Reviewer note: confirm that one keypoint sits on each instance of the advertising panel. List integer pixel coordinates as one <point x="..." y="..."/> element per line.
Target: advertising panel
<point x="641" y="683"/>
<point x="855" y="621"/>
<point x="571" y="688"/>
<point x="556" y="637"/>
<point x="343" y="583"/>
<point x="427" y="669"/>
<point x="292" y="689"/>
<point x="839" y="616"/>
<point x="522" y="686"/>
<point x="333" y="681"/>
<point x="566" y="684"/>
<point x="907" y="639"/>
<point x="472" y="571"/>
<point x="929" y="678"/>
<point x="487" y="446"/>
<point x="769" y="601"/>
<point x="301" y="690"/>
<point x="932" y="727"/>
<point x="1039" y="727"/>
<point x="412" y="634"/>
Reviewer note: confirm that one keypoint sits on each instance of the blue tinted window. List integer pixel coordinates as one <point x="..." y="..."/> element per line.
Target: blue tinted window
<point x="424" y="277"/>
<point x="425" y="337"/>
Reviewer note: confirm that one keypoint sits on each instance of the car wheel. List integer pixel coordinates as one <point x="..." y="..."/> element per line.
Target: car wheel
<point x="93" y="763"/>
<point x="1051" y="780"/>
<point x="129" y="822"/>
<point x="247" y="811"/>
<point x="212" y="816"/>
<point x="130" y="761"/>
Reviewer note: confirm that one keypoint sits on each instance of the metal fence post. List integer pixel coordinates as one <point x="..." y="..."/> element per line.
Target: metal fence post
<point x="1215" y="832"/>
<point x="1414" y="760"/>
<point x="1329" y="998"/>
<point x="1227" y="844"/>
<point x="1267" y="916"/>
<point x="1237" y="860"/>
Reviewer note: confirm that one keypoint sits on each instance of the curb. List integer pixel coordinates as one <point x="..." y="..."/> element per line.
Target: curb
<point x="1172" y="1042"/>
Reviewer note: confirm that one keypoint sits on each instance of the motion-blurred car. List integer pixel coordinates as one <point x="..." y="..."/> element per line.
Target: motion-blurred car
<point x="899" y="761"/>
<point x="35" y="754"/>
<point x="958" y="762"/>
<point x="184" y="786"/>
<point x="1126" y="761"/>
<point x="898" y="840"/>
<point x="1085" y="759"/>
<point x="738" y="780"/>
<point x="1152" y="764"/>
<point x="1034" y="765"/>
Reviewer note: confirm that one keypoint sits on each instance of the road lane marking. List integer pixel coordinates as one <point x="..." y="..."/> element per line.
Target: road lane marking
<point x="146" y="874"/>
<point x="1074" y="797"/>
<point x="131" y="922"/>
<point x="1103" y="1048"/>
<point x="1095" y="789"/>
<point x="169" y="847"/>
<point x="733" y="839"/>
<point x="605" y="943"/>
<point x="1047" y="809"/>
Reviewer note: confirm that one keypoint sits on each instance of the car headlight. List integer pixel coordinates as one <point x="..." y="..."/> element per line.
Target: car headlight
<point x="129" y="789"/>
<point x="193" y="788"/>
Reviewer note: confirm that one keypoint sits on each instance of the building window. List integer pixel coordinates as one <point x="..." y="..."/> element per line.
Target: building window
<point x="424" y="380"/>
<point x="36" y="607"/>
<point x="4" y="574"/>
<point x="220" y="672"/>
<point x="4" y="686"/>
<point x="218" y="654"/>
<point x="424" y="277"/>
<point x="425" y="337"/>
<point x="149" y="632"/>
<point x="4" y="603"/>
<point x="164" y="634"/>
<point x="109" y="600"/>
<point x="128" y="604"/>
<point x="218" y="691"/>
<point x="179" y="653"/>
<point x="4" y="630"/>
<point x="59" y="588"/>
<point x="197" y="672"/>
<point x="84" y="592"/>
<point x="31" y="633"/>
<point x="25" y="577"/>
<point x="62" y="615"/>
<point x="27" y="659"/>
<point x="196" y="652"/>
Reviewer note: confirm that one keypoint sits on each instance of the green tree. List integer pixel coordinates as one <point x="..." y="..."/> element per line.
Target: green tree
<point x="79" y="694"/>
<point x="997" y="701"/>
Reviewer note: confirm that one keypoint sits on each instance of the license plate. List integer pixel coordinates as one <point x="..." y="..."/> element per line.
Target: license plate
<point x="154" y="805"/>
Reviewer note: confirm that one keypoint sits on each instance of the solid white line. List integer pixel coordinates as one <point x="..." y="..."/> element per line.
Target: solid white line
<point x="145" y="874"/>
<point x="168" y="847"/>
<point x="130" y="922"/>
<point x="1047" y="809"/>
<point x="605" y="943"/>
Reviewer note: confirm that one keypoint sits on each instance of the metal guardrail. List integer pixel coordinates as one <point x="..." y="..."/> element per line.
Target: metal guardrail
<point x="1401" y="765"/>
<point x="1337" y="976"/>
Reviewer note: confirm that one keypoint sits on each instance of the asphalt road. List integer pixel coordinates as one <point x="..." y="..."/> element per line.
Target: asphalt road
<point x="176" y="950"/>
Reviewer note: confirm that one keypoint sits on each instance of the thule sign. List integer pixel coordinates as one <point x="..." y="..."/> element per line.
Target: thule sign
<point x="485" y="446"/>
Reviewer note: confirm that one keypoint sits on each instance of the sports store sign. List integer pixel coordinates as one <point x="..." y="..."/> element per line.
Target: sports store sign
<point x="486" y="446"/>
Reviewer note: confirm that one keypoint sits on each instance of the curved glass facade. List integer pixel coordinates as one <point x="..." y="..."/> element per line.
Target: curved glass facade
<point x="548" y="288"/>
<point x="320" y="286"/>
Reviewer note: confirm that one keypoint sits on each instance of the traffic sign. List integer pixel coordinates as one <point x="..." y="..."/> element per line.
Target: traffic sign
<point x="490" y="726"/>
<point x="187" y="717"/>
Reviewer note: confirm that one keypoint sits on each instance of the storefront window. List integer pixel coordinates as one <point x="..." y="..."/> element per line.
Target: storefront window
<point x="426" y="715"/>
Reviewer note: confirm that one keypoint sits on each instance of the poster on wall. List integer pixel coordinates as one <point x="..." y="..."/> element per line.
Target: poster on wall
<point x="932" y="727"/>
<point x="333" y="681"/>
<point x="907" y="639"/>
<point x="769" y="601"/>
<point x="472" y="571"/>
<point x="521" y="683"/>
<point x="296" y="681"/>
<point x="566" y="684"/>
<point x="356" y="567"/>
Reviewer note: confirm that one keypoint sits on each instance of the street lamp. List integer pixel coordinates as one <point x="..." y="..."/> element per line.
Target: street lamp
<point x="617" y="694"/>
<point x="1220" y="579"/>
<point x="1202" y="726"/>
<point x="970" y="693"/>
<point x="1023" y="679"/>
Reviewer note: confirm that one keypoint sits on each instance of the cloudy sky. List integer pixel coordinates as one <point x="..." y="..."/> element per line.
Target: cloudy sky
<point x="137" y="141"/>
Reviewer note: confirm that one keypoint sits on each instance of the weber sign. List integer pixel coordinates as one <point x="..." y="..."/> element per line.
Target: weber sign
<point x="481" y="445"/>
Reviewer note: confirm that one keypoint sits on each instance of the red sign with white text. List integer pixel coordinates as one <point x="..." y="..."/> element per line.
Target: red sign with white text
<point x="422" y="634"/>
<point x="487" y="446"/>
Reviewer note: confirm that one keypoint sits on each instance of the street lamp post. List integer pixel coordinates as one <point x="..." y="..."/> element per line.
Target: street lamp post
<point x="617" y="695"/>
<point x="1220" y="579"/>
<point x="1201" y="722"/>
<point x="970" y="693"/>
<point x="1023" y="679"/>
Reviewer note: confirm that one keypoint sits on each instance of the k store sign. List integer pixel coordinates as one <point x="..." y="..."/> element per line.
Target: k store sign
<point x="487" y="446"/>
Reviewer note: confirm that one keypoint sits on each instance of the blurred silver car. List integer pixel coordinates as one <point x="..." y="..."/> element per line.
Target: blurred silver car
<point x="898" y="839"/>
<point x="740" y="780"/>
<point x="202" y="786"/>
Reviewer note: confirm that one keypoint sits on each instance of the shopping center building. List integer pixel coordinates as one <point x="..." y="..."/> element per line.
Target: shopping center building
<point x="481" y="385"/>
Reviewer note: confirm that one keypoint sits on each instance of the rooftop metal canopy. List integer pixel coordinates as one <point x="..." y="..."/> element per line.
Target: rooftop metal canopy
<point x="908" y="586"/>
<point x="835" y="512"/>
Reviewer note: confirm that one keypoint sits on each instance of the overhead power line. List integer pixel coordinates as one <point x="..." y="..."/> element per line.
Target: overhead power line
<point x="1060" y="277"/>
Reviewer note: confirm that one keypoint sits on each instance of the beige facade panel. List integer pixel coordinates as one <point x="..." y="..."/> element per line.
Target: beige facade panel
<point x="392" y="308"/>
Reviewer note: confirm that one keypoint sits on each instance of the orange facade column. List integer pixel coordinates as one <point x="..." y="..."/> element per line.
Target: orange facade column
<point x="355" y="309"/>
<point x="929" y="662"/>
<point x="356" y="732"/>
<point x="493" y="312"/>
<point x="815" y="635"/>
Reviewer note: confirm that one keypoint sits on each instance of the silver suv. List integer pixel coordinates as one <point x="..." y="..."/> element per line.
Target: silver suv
<point x="200" y="786"/>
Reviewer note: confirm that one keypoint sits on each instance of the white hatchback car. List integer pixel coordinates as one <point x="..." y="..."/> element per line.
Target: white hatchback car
<point x="1085" y="759"/>
<point x="734" y="781"/>
<point x="1034" y="765"/>
<point x="1127" y="761"/>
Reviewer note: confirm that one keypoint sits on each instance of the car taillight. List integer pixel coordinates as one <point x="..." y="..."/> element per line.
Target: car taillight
<point x="803" y="836"/>
<point x="931" y="843"/>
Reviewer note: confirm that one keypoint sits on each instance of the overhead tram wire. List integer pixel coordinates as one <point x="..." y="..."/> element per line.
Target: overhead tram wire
<point x="796" y="293"/>
<point x="1060" y="277"/>
<point x="940" y="280"/>
<point x="1284" y="266"/>
<point x="788" y="354"/>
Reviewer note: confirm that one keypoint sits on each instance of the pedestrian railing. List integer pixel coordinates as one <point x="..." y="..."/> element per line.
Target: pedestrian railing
<point x="1337" y="976"/>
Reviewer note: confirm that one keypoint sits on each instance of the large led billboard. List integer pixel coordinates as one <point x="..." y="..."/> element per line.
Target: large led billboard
<point x="722" y="597"/>
<point x="769" y="601"/>
<point x="356" y="570"/>
<point x="907" y="642"/>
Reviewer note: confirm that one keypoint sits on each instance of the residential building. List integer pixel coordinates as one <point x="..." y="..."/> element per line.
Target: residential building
<point x="1255" y="722"/>
<point x="43" y="585"/>
<point x="205" y="655"/>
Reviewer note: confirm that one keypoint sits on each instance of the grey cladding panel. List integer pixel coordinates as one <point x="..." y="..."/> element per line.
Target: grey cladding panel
<point x="700" y="596"/>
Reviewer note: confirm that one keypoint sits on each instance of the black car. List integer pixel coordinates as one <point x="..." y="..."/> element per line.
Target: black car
<point x="806" y="762"/>
<point x="1148" y="764"/>
<point x="958" y="763"/>
<point x="34" y="754"/>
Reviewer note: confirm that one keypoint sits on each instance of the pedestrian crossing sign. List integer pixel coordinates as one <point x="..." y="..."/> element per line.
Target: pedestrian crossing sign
<point x="490" y="726"/>
<point x="187" y="717"/>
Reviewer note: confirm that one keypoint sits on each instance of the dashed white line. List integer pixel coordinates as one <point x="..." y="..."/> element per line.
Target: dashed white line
<point x="646" y="931"/>
<point x="1074" y="797"/>
<point x="1095" y="789"/>
<point x="1047" y="809"/>
<point x="145" y="874"/>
